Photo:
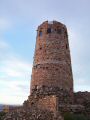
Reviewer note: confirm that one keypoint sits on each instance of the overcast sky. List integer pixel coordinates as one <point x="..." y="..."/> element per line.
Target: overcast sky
<point x="18" y="23"/>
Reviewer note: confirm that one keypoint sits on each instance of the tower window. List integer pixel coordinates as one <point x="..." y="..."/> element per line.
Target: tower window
<point x="59" y="31"/>
<point x="40" y="33"/>
<point x="46" y="67"/>
<point x="66" y="33"/>
<point x="40" y="48"/>
<point x="49" y="30"/>
<point x="56" y="69"/>
<point x="66" y="46"/>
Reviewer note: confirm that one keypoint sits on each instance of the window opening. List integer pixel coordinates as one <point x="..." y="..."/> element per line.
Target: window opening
<point x="40" y="33"/>
<point x="52" y="30"/>
<point x="46" y="67"/>
<point x="49" y="30"/>
<point x="66" y="34"/>
<point x="40" y="48"/>
<point x="32" y="103"/>
<point x="59" y="31"/>
<point x="56" y="69"/>
<point x="66" y="46"/>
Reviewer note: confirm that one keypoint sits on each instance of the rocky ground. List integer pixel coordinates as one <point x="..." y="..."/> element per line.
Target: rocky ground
<point x="32" y="114"/>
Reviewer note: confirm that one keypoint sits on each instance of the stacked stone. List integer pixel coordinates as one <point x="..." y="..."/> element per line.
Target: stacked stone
<point x="83" y="98"/>
<point x="31" y="114"/>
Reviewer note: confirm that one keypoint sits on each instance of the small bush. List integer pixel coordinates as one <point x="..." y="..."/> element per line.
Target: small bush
<point x="69" y="116"/>
<point x="2" y="114"/>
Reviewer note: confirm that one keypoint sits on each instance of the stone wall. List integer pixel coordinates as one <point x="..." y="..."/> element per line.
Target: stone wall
<point x="48" y="103"/>
<point x="83" y="98"/>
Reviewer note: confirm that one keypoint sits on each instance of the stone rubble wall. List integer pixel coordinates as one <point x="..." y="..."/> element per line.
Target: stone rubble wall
<point x="32" y="114"/>
<point x="83" y="98"/>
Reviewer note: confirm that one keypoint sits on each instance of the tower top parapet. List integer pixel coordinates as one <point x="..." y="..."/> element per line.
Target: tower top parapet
<point x="46" y="24"/>
<point x="48" y="27"/>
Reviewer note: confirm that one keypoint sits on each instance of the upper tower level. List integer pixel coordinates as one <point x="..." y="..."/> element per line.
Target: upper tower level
<point x="49" y="27"/>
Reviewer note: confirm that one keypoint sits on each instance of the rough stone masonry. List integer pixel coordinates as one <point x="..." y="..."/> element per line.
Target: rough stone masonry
<point x="52" y="63"/>
<point x="51" y="91"/>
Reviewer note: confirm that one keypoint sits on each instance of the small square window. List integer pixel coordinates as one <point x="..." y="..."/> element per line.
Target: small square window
<point x="66" y="46"/>
<point x="56" y="69"/>
<point x="59" y="31"/>
<point x="66" y="33"/>
<point x="49" y="30"/>
<point x="46" y="67"/>
<point x="40" y="33"/>
<point x="40" y="48"/>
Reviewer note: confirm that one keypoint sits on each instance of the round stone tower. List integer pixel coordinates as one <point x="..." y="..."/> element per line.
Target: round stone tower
<point x="52" y="62"/>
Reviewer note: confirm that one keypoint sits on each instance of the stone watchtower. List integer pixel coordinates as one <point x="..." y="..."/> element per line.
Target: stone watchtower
<point x="52" y="72"/>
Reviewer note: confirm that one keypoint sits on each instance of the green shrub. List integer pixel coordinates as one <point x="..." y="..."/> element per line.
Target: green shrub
<point x="69" y="116"/>
<point x="2" y="114"/>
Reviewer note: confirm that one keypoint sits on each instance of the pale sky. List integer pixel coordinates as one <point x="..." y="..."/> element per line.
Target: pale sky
<point x="19" y="20"/>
